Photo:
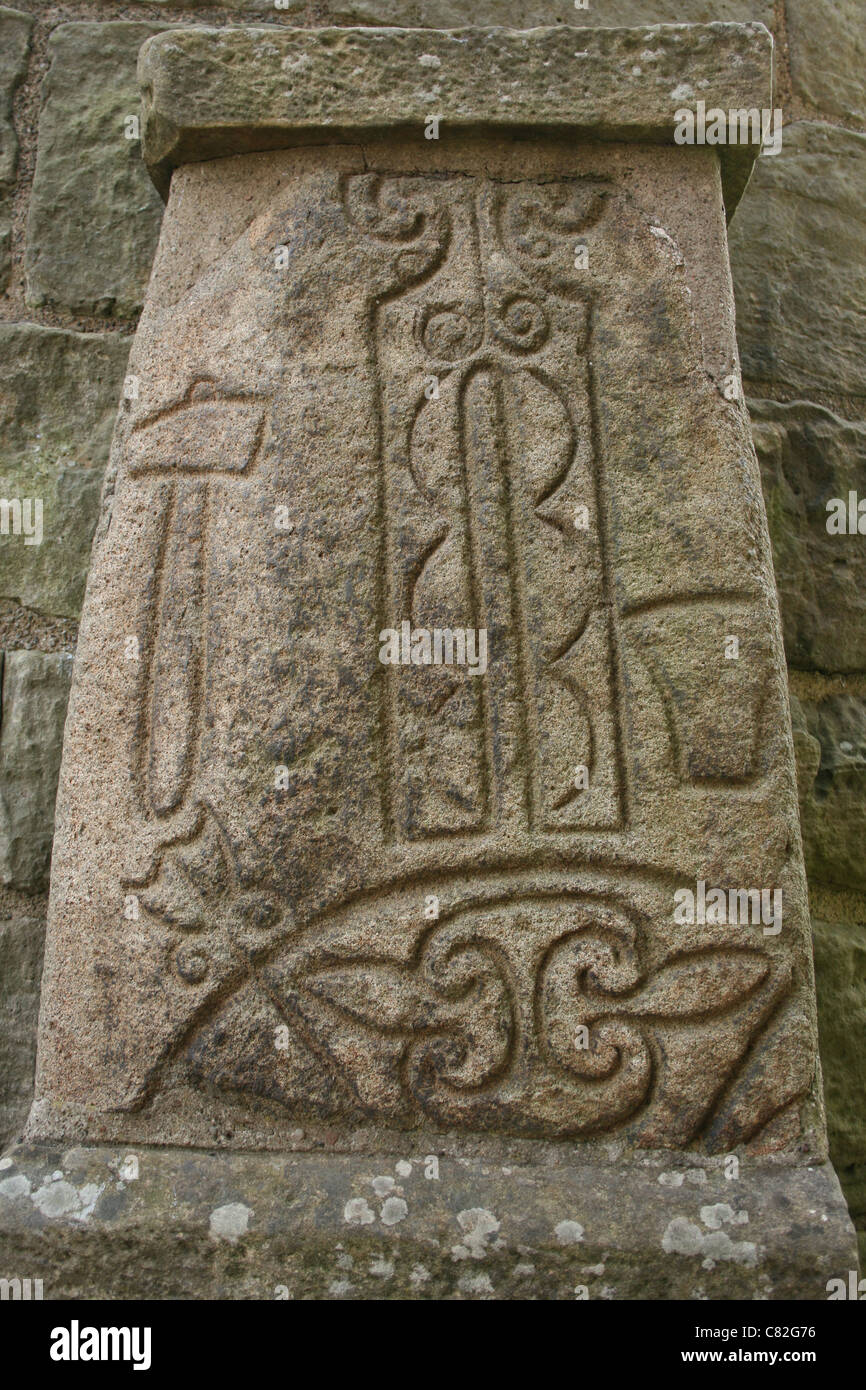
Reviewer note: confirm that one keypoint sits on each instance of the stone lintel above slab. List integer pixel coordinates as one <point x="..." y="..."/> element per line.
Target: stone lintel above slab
<point x="209" y="93"/>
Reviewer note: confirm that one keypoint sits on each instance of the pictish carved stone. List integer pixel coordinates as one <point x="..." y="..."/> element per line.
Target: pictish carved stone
<point x="429" y="769"/>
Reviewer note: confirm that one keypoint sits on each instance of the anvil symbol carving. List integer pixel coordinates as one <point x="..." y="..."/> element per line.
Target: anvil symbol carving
<point x="209" y="432"/>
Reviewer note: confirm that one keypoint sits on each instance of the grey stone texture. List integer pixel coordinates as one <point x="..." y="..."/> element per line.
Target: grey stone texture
<point x="35" y="693"/>
<point x="827" y="47"/>
<point x="840" y="965"/>
<point x="854" y="1179"/>
<point x="59" y="393"/>
<point x="840" y="960"/>
<point x="830" y="742"/>
<point x="809" y="456"/>
<point x="22" y="936"/>
<point x="831" y="736"/>
<point x="15" y="29"/>
<point x="120" y="1224"/>
<point x="94" y="215"/>
<point x="798" y="255"/>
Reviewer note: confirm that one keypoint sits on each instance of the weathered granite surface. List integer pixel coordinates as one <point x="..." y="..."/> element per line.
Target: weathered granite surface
<point x="35" y="692"/>
<point x="110" y="1223"/>
<point x="59" y="393"/>
<point x="93" y="217"/>
<point x="282" y="807"/>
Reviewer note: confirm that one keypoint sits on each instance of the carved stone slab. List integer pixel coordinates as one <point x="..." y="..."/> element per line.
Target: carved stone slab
<point x="476" y="384"/>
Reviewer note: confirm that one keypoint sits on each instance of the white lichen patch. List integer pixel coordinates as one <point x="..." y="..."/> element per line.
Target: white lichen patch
<point x="380" y="1268"/>
<point x="296" y="63"/>
<point x="394" y="1209"/>
<point x="16" y="1186"/>
<point x="129" y="1169"/>
<point x="4" y="1164"/>
<point x="358" y="1212"/>
<point x="57" y="1198"/>
<point x="684" y="1237"/>
<point x="716" y="1216"/>
<point x="479" y="1227"/>
<point x="478" y="1285"/>
<point x="568" y="1232"/>
<point x="696" y="1176"/>
<point x="683" y="92"/>
<point x="430" y="60"/>
<point x="403" y="1168"/>
<point x="419" y="1276"/>
<point x="382" y="1186"/>
<point x="230" y="1222"/>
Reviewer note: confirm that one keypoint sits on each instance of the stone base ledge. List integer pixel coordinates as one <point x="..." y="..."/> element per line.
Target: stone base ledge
<point x="97" y="1223"/>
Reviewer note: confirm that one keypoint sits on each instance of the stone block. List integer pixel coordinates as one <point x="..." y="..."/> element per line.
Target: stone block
<point x="810" y="457"/>
<point x="827" y="55"/>
<point x="15" y="29"/>
<point x="832" y="737"/>
<point x="223" y="91"/>
<point x="35" y="693"/>
<point x="840" y="972"/>
<point x="110" y="1223"/>
<point x="531" y="14"/>
<point x="58" y="400"/>
<point x="94" y="218"/>
<point x="798" y="256"/>
<point x="22" y="936"/>
<point x="511" y="14"/>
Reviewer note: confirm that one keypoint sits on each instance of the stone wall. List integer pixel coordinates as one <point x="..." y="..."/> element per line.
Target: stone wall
<point x="79" y="220"/>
